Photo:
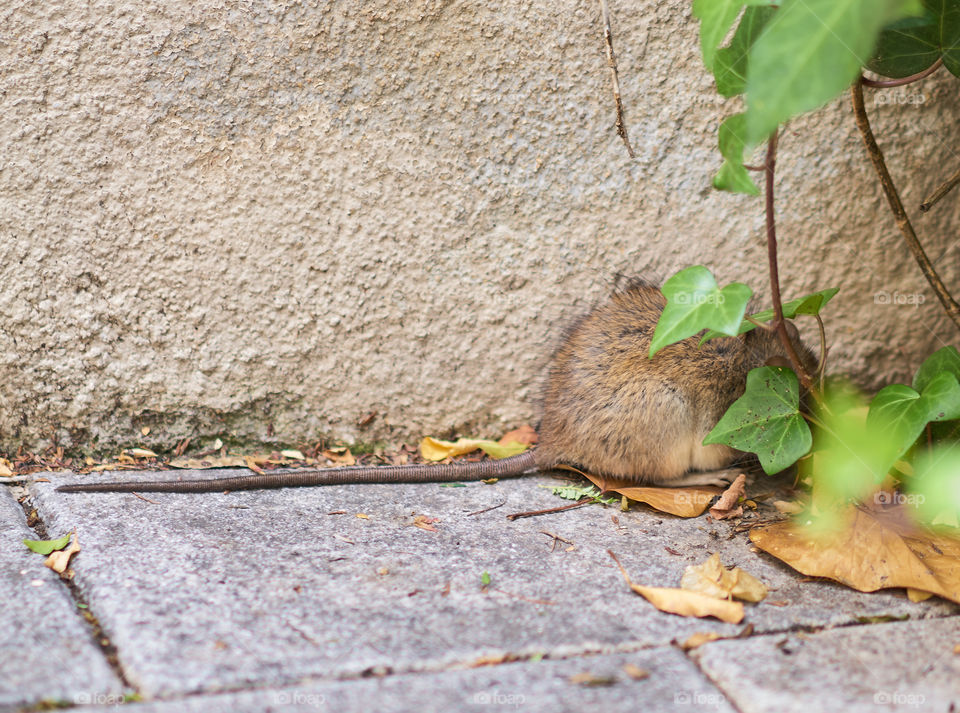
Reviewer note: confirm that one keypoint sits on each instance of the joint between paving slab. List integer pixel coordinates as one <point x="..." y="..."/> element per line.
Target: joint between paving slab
<point x="100" y="639"/>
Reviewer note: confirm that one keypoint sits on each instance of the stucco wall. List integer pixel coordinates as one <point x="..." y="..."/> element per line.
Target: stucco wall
<point x="276" y="217"/>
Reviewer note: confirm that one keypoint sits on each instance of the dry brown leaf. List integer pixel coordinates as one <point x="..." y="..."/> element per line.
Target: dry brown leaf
<point x="870" y="551"/>
<point x="715" y="580"/>
<point x="684" y="603"/>
<point x="339" y="456"/>
<point x="209" y="462"/>
<point x="788" y="508"/>
<point x="6" y="468"/>
<point x="525" y="435"/>
<point x="591" y="679"/>
<point x="425" y="523"/>
<point x="726" y="507"/>
<point x="699" y="639"/>
<point x="58" y="561"/>
<point x="635" y="672"/>
<point x="683" y="502"/>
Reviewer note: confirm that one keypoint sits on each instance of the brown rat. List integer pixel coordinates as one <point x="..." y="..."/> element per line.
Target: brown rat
<point x="608" y="409"/>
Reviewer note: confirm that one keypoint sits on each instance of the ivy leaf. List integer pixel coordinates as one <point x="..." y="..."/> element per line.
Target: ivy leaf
<point x="766" y="420"/>
<point x="45" y="547"/>
<point x="730" y="67"/>
<point x="942" y="360"/>
<point x="809" y="52"/>
<point x="732" y="176"/>
<point x="936" y="485"/>
<point x="716" y="17"/>
<point x="948" y="13"/>
<point x="906" y="47"/>
<point x="694" y="303"/>
<point x="898" y="414"/>
<point x="809" y="304"/>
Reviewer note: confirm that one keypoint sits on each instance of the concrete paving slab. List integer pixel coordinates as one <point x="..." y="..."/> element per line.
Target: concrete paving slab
<point x="674" y="683"/>
<point x="910" y="666"/>
<point x="222" y="591"/>
<point x="47" y="649"/>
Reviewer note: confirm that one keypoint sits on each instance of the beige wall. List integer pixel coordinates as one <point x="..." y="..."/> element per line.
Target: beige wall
<point x="256" y="217"/>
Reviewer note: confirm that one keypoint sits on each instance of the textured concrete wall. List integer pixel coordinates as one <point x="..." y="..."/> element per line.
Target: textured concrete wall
<point x="277" y="216"/>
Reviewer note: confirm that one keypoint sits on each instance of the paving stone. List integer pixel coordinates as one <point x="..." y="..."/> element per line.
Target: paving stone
<point x="48" y="652"/>
<point x="218" y="591"/>
<point x="909" y="665"/>
<point x="673" y="684"/>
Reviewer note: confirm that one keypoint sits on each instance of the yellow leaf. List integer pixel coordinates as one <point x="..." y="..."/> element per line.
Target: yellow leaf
<point x="6" y="467"/>
<point x="141" y="453"/>
<point x="294" y="454"/>
<point x="683" y="502"/>
<point x="435" y="449"/>
<point x="915" y="595"/>
<point x="870" y="551"/>
<point x="715" y="580"/>
<point x="699" y="639"/>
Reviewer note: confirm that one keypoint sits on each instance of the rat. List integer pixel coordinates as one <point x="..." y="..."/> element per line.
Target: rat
<point x="608" y="409"/>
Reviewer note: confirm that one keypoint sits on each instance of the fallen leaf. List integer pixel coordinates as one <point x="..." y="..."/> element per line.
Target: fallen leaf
<point x="699" y="639"/>
<point x="869" y="551"/>
<point x="58" y="561"/>
<point x="291" y="453"/>
<point x="211" y="462"/>
<point x="591" y="679"/>
<point x="45" y="547"/>
<point x="917" y="595"/>
<point x="217" y="445"/>
<point x="683" y="502"/>
<point x="683" y="602"/>
<point x="715" y="580"/>
<point x="635" y="672"/>
<point x="525" y="435"/>
<point x="362" y="516"/>
<point x="141" y="453"/>
<point x="345" y="539"/>
<point x="434" y="449"/>
<point x="6" y="467"/>
<point x="788" y="508"/>
<point x="145" y="430"/>
<point x="339" y="456"/>
<point x="425" y="523"/>
<point x="726" y="507"/>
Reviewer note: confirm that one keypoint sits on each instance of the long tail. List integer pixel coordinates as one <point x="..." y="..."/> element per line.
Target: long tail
<point x="352" y="475"/>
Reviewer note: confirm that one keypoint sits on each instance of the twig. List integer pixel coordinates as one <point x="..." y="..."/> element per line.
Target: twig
<point x="770" y="164"/>
<point x="480" y="512"/>
<point x="822" y="367"/>
<point x="612" y="63"/>
<point x="896" y="206"/>
<point x="556" y="538"/>
<point x="886" y="83"/>
<point x="533" y="513"/>
<point x="940" y="192"/>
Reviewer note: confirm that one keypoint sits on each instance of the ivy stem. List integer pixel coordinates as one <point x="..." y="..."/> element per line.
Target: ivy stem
<point x="950" y="305"/>
<point x="886" y="83"/>
<point x="769" y="165"/>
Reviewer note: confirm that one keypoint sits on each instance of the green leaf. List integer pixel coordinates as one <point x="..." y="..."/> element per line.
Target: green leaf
<point x="907" y="47"/>
<point x="766" y="420"/>
<point x="694" y="303"/>
<point x="935" y="486"/>
<point x="948" y="14"/>
<point x="45" y="547"/>
<point x="898" y="415"/>
<point x="732" y="176"/>
<point x="809" y="304"/>
<point x="716" y="17"/>
<point x="485" y="579"/>
<point x="942" y="360"/>
<point x="808" y="53"/>
<point x="730" y="67"/>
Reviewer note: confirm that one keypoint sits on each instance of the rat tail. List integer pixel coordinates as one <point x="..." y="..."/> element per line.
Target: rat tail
<point x="350" y="475"/>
